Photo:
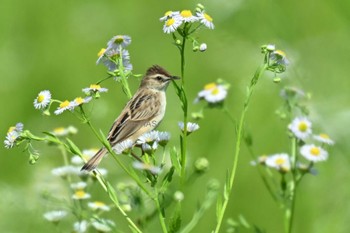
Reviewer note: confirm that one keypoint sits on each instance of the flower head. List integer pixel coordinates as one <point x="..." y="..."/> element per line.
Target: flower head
<point x="205" y="19"/>
<point x="145" y="166"/>
<point x="111" y="59"/>
<point x="187" y="16"/>
<point x="118" y="41"/>
<point x="172" y="24"/>
<point x="65" y="171"/>
<point x="80" y="194"/>
<point x="123" y="147"/>
<point x="98" y="205"/>
<point x="65" y="105"/>
<point x="279" y="57"/>
<point x="191" y="127"/>
<point x="324" y="138"/>
<point x="79" y="101"/>
<point x="203" y="47"/>
<point x="102" y="225"/>
<point x="149" y="137"/>
<point x="55" y="216"/>
<point x="313" y="153"/>
<point x="169" y="14"/>
<point x="13" y="135"/>
<point x="212" y="93"/>
<point x="78" y="186"/>
<point x="80" y="227"/>
<point x="42" y="100"/>
<point x="300" y="127"/>
<point x="163" y="138"/>
<point x="93" y="89"/>
<point x="280" y="162"/>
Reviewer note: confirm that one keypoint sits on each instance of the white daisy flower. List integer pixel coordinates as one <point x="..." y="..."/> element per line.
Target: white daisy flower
<point x="123" y="147"/>
<point x="279" y="57"/>
<point x="80" y="227"/>
<point x="98" y="205"/>
<point x="78" y="186"/>
<point x="280" y="162"/>
<point x="205" y="19"/>
<point x="300" y="127"/>
<point x="13" y="134"/>
<point x="94" y="88"/>
<point x="117" y="41"/>
<point x="60" y="131"/>
<point x="187" y="16"/>
<point x="313" y="153"/>
<point x="306" y="168"/>
<point x="111" y="57"/>
<point x="163" y="138"/>
<point x="260" y="160"/>
<point x="42" y="100"/>
<point x="191" y="127"/>
<point x="172" y="24"/>
<point x="144" y="166"/>
<point x="65" y="171"/>
<point x="324" y="138"/>
<point x="102" y="225"/>
<point x="65" y="105"/>
<point x="149" y="148"/>
<point x="55" y="216"/>
<point x="149" y="137"/>
<point x="169" y="14"/>
<point x="212" y="93"/>
<point x="79" y="101"/>
<point x="80" y="195"/>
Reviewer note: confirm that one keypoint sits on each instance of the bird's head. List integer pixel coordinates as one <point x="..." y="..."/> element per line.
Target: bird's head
<point x="157" y="78"/>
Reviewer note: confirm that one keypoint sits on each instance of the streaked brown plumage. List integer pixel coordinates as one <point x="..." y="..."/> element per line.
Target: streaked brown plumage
<point x="142" y="113"/>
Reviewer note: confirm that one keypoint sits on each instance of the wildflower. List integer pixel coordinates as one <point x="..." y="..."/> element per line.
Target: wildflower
<point x="42" y="100"/>
<point x="306" y="168"/>
<point x="191" y="127"/>
<point x="300" y="127"/>
<point x="98" y="205"/>
<point x="118" y="41"/>
<point x="13" y="135"/>
<point x="172" y="24"/>
<point x="313" y="153"/>
<point x="205" y="19"/>
<point x="163" y="138"/>
<point x="65" y="171"/>
<point x="65" y="105"/>
<point x="187" y="17"/>
<point x="179" y="196"/>
<point x="80" y="195"/>
<point x="169" y="14"/>
<point x="149" y="148"/>
<point x="80" y="227"/>
<point x="203" y="47"/>
<point x="61" y="131"/>
<point x="123" y="147"/>
<point x="279" y="57"/>
<point x="55" y="216"/>
<point x="280" y="162"/>
<point x="110" y="58"/>
<point x="79" y="101"/>
<point x="291" y="92"/>
<point x="259" y="160"/>
<point x="324" y="138"/>
<point x="102" y="225"/>
<point x="93" y="89"/>
<point x="149" y="137"/>
<point x="78" y="186"/>
<point x="212" y="93"/>
<point x="145" y="166"/>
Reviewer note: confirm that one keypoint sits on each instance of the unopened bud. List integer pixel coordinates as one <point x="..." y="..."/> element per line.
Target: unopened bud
<point x="200" y="6"/>
<point x="203" y="47"/>
<point x="195" y="48"/>
<point x="179" y="196"/>
<point x="277" y="80"/>
<point x="201" y="165"/>
<point x="178" y="42"/>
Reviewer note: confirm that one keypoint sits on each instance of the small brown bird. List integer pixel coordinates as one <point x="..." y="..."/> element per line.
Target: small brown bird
<point x="144" y="111"/>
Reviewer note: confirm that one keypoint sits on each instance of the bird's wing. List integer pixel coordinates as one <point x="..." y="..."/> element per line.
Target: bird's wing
<point x="141" y="109"/>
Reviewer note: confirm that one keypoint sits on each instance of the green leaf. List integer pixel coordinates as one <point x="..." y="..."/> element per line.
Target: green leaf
<point x="175" y="160"/>
<point x="218" y="207"/>
<point x="175" y="221"/>
<point x="52" y="138"/>
<point x="167" y="179"/>
<point x="73" y="148"/>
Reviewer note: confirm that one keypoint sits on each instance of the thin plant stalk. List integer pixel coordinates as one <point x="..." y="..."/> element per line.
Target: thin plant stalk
<point x="290" y="206"/>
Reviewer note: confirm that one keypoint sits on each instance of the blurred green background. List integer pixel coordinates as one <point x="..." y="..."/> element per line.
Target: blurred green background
<point x="53" y="45"/>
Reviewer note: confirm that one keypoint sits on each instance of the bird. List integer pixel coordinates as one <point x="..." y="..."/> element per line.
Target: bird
<point x="142" y="113"/>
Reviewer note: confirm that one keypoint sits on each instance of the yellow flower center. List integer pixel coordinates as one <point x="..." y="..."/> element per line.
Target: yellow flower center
<point x="280" y="161"/>
<point x="119" y="40"/>
<point x="80" y="194"/>
<point x="280" y="52"/>
<point x="102" y="51"/>
<point x="12" y="128"/>
<point x="59" y="130"/>
<point x="207" y="17"/>
<point x="324" y="136"/>
<point x="302" y="126"/>
<point x="64" y="104"/>
<point x="40" y="98"/>
<point x="315" y="151"/>
<point x="170" y="22"/>
<point x="210" y="86"/>
<point x="168" y="13"/>
<point x="186" y="13"/>
<point x="95" y="86"/>
<point x="79" y="100"/>
<point x="99" y="204"/>
<point x="215" y="91"/>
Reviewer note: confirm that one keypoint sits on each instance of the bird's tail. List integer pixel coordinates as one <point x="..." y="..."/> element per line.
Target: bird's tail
<point x="94" y="161"/>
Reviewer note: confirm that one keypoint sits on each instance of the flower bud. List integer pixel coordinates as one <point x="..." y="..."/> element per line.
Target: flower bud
<point x="195" y="48"/>
<point x="178" y="42"/>
<point x="203" y="47"/>
<point x="178" y="196"/>
<point x="201" y="165"/>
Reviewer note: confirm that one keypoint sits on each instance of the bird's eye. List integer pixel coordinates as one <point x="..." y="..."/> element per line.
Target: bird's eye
<point x="159" y="78"/>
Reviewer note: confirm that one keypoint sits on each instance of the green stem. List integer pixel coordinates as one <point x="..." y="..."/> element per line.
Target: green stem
<point x="229" y="185"/>
<point x="160" y="213"/>
<point x="290" y="207"/>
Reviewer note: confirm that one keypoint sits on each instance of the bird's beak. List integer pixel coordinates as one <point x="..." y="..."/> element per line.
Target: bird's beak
<point x="175" y="78"/>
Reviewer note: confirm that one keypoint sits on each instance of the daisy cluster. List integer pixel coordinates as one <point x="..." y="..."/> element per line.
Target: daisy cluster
<point x="13" y="135"/>
<point x="115" y="56"/>
<point x="311" y="148"/>
<point x="79" y="182"/>
<point x="44" y="100"/>
<point x="277" y="59"/>
<point x="173" y="20"/>
<point x="213" y="93"/>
